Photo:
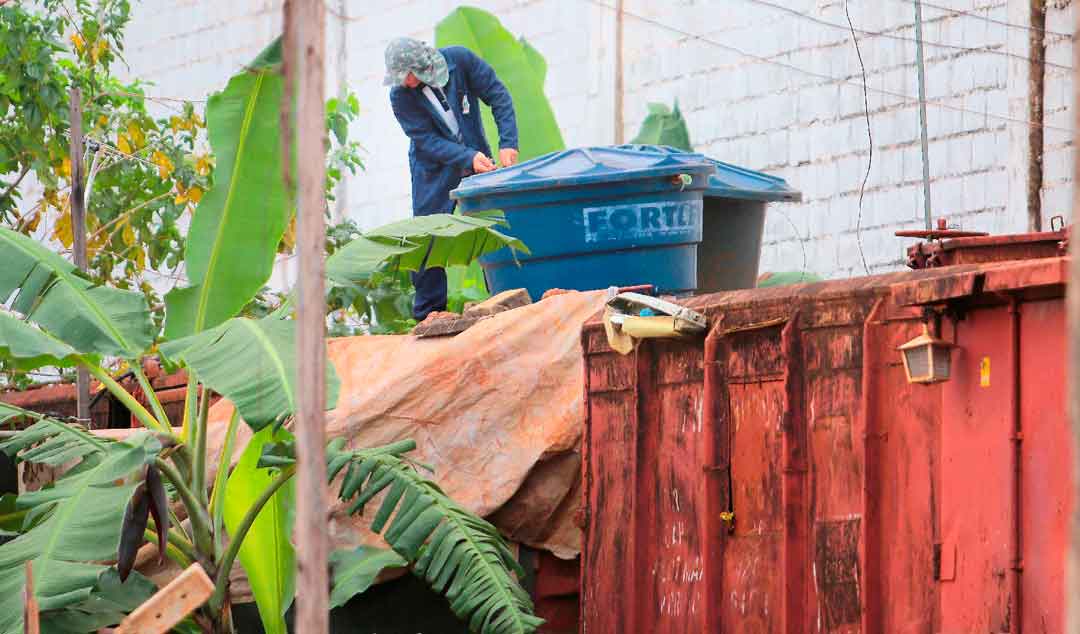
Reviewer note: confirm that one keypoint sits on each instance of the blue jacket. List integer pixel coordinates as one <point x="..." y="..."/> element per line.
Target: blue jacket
<point x="437" y="160"/>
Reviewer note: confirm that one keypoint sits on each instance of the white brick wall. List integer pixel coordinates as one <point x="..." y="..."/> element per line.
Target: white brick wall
<point x="808" y="129"/>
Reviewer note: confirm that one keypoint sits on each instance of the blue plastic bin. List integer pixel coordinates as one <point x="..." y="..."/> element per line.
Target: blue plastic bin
<point x="596" y="217"/>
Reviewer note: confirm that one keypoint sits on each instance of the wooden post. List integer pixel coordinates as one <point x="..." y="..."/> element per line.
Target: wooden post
<point x="1072" y="563"/>
<point x="308" y="46"/>
<point x="619" y="88"/>
<point x="78" y="233"/>
<point x="31" y="616"/>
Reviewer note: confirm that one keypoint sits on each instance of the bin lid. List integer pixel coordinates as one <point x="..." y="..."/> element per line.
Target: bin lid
<point x="584" y="166"/>
<point x="732" y="181"/>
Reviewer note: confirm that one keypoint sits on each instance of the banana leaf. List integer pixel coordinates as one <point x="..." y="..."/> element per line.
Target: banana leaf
<point x="664" y="126"/>
<point x="520" y="67"/>
<point x="109" y="602"/>
<point x="27" y="348"/>
<point x="785" y="278"/>
<point x="266" y="555"/>
<point x="75" y="525"/>
<point x="251" y="362"/>
<point x="50" y="292"/>
<point x="354" y="571"/>
<point x="238" y="224"/>
<point x="438" y="240"/>
<point x="458" y="554"/>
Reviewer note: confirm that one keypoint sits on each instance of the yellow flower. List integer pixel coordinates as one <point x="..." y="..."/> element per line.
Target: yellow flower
<point x="103" y="121"/>
<point x="139" y="256"/>
<point x="127" y="234"/>
<point x="203" y="165"/>
<point x="78" y="41"/>
<point x="65" y="169"/>
<point x="52" y="197"/>
<point x="98" y="50"/>
<point x="195" y="194"/>
<point x="136" y="134"/>
<point x="181" y="194"/>
<point x="122" y="143"/>
<point x="197" y="121"/>
<point x="175" y="123"/>
<point x="164" y="164"/>
<point x="62" y="230"/>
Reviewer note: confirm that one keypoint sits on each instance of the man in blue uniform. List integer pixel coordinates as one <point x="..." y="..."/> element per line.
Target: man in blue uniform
<point x="435" y="97"/>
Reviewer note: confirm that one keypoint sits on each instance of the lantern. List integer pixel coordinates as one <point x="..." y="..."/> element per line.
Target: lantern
<point x="927" y="359"/>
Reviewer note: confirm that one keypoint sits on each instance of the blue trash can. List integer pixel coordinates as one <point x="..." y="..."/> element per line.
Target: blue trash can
<point x="733" y="221"/>
<point x="596" y="217"/>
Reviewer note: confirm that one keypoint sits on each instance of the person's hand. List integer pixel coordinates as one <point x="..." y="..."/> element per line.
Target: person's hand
<point x="481" y="163"/>
<point x="508" y="156"/>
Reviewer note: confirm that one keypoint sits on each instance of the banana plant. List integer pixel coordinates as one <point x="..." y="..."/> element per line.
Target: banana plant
<point x="114" y="497"/>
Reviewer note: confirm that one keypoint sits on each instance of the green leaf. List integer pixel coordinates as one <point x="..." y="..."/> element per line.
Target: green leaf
<point x="109" y="602"/>
<point x="453" y="240"/>
<point x="50" y="292"/>
<point x="520" y="67"/>
<point x="786" y="278"/>
<point x="664" y="126"/>
<point x="82" y="514"/>
<point x="459" y="554"/>
<point x="27" y="347"/>
<point x="354" y="571"/>
<point x="266" y="555"/>
<point x="238" y="224"/>
<point x="251" y="362"/>
<point x="465" y="284"/>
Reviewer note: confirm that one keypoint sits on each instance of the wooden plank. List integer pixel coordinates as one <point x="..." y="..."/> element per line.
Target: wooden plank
<point x="306" y="19"/>
<point x="1072" y="568"/>
<point x="78" y="233"/>
<point x="171" y="604"/>
<point x="31" y="620"/>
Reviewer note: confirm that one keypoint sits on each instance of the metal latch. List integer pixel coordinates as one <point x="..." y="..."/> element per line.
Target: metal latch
<point x="644" y="316"/>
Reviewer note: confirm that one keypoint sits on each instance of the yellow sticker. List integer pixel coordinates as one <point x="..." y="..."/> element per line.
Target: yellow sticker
<point x="984" y="372"/>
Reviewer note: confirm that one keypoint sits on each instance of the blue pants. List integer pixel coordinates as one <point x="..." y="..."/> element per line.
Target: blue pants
<point x="430" y="296"/>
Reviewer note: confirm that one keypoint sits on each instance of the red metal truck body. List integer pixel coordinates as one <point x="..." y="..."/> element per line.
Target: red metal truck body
<point x="782" y="475"/>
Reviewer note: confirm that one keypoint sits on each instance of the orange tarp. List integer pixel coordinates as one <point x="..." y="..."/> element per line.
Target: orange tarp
<point x="496" y="410"/>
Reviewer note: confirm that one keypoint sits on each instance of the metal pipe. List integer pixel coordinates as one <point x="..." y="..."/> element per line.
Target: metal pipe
<point x="717" y="465"/>
<point x="794" y="555"/>
<point x="1016" y="537"/>
<point x="870" y="360"/>
<point x="920" y="65"/>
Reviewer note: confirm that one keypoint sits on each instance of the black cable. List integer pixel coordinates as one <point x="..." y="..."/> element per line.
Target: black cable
<point x="986" y="18"/>
<point x="900" y="38"/>
<point x="869" y="134"/>
<point x="839" y="80"/>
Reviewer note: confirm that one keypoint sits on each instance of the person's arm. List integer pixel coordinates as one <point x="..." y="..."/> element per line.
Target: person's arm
<point x="491" y="91"/>
<point x="418" y="126"/>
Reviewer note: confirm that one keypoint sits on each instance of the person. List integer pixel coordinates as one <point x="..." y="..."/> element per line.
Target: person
<point x="435" y="99"/>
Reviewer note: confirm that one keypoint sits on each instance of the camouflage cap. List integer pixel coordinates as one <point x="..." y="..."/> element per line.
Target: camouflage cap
<point x="405" y="54"/>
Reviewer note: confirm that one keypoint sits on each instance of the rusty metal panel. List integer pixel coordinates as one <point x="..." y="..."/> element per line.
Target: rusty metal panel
<point x="611" y="487"/>
<point x="901" y="484"/>
<point x="977" y="513"/>
<point x="861" y="503"/>
<point x="1046" y="467"/>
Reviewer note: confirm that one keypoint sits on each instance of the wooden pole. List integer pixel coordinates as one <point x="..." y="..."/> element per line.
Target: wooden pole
<point x="78" y="233"/>
<point x="31" y="617"/>
<point x="619" y="88"/>
<point x="308" y="43"/>
<point x="1072" y="564"/>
